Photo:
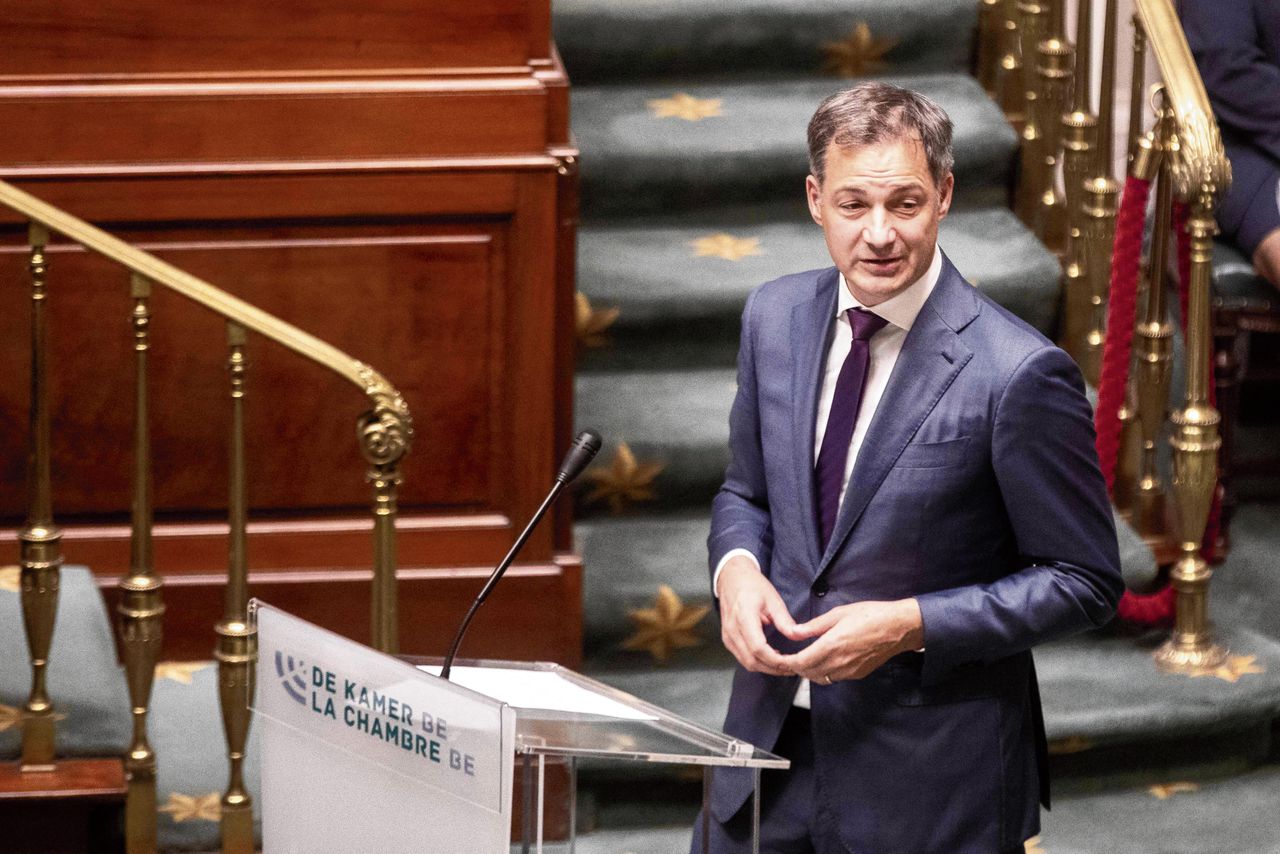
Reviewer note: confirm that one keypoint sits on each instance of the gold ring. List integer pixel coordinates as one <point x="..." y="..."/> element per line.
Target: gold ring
<point x="828" y="678"/>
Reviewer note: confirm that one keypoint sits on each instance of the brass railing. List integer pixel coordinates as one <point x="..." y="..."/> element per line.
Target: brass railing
<point x="1068" y="195"/>
<point x="385" y="431"/>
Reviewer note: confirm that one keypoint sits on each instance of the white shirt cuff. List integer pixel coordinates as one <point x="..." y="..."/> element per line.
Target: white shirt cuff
<point x="715" y="576"/>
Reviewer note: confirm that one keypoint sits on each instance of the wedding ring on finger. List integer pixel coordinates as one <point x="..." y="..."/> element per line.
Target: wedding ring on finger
<point x="827" y="678"/>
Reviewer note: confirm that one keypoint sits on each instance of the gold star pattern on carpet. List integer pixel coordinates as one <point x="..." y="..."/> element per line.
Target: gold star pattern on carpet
<point x="687" y="107"/>
<point x="1235" y="667"/>
<point x="1033" y="846"/>
<point x="194" y="807"/>
<point x="590" y="323"/>
<point x="10" y="579"/>
<point x="1165" y="791"/>
<point x="624" y="480"/>
<point x="180" y="671"/>
<point x="857" y="54"/>
<point x="665" y="627"/>
<point x="1070" y="744"/>
<point x="726" y="246"/>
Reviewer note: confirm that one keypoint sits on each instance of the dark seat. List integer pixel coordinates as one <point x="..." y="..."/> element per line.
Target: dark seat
<point x="1243" y="304"/>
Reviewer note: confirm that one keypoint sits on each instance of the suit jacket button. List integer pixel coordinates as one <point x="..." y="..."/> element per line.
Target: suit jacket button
<point x="820" y="588"/>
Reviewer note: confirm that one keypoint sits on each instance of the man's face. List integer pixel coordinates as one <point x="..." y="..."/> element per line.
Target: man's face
<point x="879" y="210"/>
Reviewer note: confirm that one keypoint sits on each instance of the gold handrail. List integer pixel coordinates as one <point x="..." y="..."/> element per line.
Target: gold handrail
<point x="384" y="432"/>
<point x="1203" y="165"/>
<point x="165" y="274"/>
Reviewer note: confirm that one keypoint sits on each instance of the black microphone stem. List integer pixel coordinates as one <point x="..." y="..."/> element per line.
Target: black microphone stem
<point x="497" y="576"/>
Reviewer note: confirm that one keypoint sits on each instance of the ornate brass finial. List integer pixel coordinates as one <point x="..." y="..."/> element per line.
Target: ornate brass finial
<point x="386" y="430"/>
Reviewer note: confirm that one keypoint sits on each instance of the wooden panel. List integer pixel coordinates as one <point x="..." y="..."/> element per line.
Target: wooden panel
<point x="382" y="175"/>
<point x="353" y="190"/>
<point x="76" y="808"/>
<point x="259" y="122"/>
<point x="112" y="37"/>
<point x="524" y="619"/>
<point x="422" y="305"/>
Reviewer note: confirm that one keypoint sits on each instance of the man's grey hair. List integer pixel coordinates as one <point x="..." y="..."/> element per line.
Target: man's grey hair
<point x="875" y="112"/>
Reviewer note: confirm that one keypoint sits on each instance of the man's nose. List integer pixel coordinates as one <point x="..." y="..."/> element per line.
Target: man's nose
<point x="878" y="231"/>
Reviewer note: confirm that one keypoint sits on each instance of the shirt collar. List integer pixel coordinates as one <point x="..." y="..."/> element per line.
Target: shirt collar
<point x="902" y="308"/>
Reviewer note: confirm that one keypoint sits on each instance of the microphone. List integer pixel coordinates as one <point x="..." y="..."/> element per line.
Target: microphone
<point x="580" y="454"/>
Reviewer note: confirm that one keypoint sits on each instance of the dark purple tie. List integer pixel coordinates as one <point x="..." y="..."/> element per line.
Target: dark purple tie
<point x="829" y="472"/>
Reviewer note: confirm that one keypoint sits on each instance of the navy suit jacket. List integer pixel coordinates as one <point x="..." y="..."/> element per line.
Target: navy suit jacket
<point x="977" y="491"/>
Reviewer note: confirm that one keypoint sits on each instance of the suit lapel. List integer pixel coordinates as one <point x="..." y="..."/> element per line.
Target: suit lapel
<point x="810" y="331"/>
<point x="931" y="357"/>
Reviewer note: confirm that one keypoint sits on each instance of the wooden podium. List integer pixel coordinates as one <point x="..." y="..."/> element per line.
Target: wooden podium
<point x="393" y="176"/>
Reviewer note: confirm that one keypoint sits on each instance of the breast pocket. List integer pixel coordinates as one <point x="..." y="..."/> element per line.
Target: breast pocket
<point x="932" y="455"/>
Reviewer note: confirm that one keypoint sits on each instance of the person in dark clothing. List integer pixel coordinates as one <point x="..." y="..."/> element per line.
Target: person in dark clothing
<point x="1236" y="44"/>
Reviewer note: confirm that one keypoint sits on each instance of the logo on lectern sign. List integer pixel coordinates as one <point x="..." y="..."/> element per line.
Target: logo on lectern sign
<point x="293" y="676"/>
<point x="384" y="711"/>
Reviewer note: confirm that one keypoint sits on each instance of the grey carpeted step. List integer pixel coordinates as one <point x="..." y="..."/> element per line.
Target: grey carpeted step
<point x="630" y="39"/>
<point x="1100" y="689"/>
<point x="1155" y="814"/>
<point x="678" y="419"/>
<point x="1168" y="815"/>
<point x="636" y="163"/>
<point x="677" y="307"/>
<point x="85" y="682"/>
<point x="630" y="557"/>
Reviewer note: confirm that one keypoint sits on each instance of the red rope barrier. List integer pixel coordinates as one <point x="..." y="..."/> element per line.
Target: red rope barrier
<point x="1157" y="608"/>
<point x="1121" y="312"/>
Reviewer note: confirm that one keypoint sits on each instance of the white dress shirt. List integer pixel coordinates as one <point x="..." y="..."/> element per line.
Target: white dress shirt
<point x="900" y="311"/>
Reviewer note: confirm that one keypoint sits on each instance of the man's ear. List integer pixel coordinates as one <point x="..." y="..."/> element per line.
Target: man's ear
<point x="945" y="194"/>
<point x="813" y="193"/>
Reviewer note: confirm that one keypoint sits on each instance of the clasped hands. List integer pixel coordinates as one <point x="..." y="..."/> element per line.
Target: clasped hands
<point x="851" y="640"/>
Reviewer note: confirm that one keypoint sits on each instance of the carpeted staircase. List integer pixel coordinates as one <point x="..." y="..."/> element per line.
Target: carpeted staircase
<point x="690" y="117"/>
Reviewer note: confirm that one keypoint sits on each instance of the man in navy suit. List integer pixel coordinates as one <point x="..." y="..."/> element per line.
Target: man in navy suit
<point x="913" y="501"/>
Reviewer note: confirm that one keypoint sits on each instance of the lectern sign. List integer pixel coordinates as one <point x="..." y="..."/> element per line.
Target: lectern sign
<point x="363" y="752"/>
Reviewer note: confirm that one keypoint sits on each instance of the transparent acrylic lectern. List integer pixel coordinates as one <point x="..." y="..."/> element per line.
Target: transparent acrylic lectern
<point x="363" y="751"/>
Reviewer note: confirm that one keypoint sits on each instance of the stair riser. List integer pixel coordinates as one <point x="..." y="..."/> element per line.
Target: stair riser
<point x="689" y="39"/>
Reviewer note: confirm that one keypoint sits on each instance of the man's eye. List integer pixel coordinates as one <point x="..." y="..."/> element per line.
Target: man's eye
<point x="853" y="207"/>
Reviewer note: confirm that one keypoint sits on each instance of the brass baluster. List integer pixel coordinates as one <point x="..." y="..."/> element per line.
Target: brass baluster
<point x="1012" y="90"/>
<point x="1136" y="86"/>
<point x="385" y="434"/>
<point x="40" y="538"/>
<point x="237" y="651"/>
<point x="990" y="30"/>
<point x="1054" y="79"/>
<point x="140" y="607"/>
<point x="1100" y="196"/>
<point x="1195" y="441"/>
<point x="1079" y="128"/>
<point x="1130" y="457"/>
<point x="1153" y="341"/>
<point x="1128" y="471"/>
<point x="1033" y="21"/>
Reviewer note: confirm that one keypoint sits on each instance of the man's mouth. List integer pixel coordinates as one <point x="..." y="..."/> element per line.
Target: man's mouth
<point x="881" y="266"/>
